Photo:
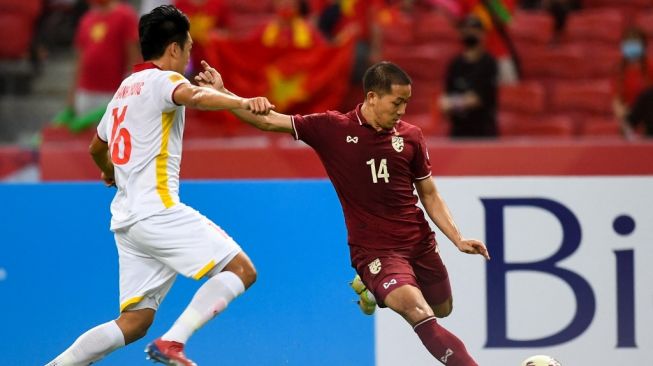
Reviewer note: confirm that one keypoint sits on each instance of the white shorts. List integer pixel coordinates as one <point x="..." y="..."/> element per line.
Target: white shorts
<point x="153" y="250"/>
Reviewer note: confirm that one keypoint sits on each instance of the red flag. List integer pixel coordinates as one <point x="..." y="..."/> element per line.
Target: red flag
<point x="296" y="80"/>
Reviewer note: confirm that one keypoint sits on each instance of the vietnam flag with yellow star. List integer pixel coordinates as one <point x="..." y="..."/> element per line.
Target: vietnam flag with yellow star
<point x="298" y="80"/>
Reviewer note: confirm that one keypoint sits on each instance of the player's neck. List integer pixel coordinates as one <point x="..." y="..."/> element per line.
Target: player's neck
<point x="162" y="63"/>
<point x="369" y="116"/>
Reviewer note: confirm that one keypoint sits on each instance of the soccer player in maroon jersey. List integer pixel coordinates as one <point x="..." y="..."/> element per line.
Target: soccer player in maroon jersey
<point x="375" y="160"/>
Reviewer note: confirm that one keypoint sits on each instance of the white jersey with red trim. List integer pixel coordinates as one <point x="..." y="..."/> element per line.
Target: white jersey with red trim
<point x="144" y="129"/>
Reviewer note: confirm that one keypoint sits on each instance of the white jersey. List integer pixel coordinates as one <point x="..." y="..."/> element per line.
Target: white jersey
<point x="144" y="129"/>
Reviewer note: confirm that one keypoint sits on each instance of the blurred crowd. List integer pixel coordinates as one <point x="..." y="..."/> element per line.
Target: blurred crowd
<point x="481" y="68"/>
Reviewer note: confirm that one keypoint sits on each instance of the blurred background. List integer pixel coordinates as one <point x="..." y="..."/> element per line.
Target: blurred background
<point x="538" y="116"/>
<point x="498" y="71"/>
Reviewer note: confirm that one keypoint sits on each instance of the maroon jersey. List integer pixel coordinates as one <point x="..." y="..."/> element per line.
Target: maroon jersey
<point x="373" y="174"/>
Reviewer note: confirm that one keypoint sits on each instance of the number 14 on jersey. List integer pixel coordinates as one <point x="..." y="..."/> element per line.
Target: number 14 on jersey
<point x="381" y="172"/>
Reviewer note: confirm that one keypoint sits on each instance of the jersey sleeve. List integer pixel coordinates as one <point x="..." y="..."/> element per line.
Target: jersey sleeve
<point x="421" y="164"/>
<point x="166" y="85"/>
<point x="311" y="128"/>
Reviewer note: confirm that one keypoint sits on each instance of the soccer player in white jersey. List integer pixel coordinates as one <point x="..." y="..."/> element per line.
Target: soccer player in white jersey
<point x="138" y="149"/>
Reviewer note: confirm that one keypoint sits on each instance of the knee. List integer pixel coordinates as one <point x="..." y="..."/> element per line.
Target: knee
<point x="243" y="267"/>
<point x="135" y="324"/>
<point x="443" y="310"/>
<point x="414" y="312"/>
<point x="249" y="275"/>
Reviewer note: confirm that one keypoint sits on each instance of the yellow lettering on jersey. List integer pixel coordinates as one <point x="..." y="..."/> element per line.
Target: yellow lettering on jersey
<point x="130" y="302"/>
<point x="175" y="78"/>
<point x="204" y="269"/>
<point x="162" y="160"/>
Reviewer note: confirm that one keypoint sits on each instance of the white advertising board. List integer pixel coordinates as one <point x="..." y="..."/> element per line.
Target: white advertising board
<point x="571" y="273"/>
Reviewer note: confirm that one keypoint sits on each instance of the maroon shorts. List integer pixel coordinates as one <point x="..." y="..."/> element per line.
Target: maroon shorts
<point x="420" y="266"/>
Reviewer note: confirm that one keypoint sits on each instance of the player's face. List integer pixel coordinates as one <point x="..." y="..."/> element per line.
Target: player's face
<point x="184" y="56"/>
<point x="388" y="108"/>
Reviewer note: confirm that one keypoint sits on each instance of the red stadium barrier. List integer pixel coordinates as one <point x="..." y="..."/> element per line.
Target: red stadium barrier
<point x="273" y="156"/>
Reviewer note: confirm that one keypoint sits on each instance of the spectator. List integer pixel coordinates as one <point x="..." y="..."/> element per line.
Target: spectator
<point x="470" y="98"/>
<point x="289" y="28"/>
<point x="494" y="15"/>
<point x="106" y="41"/>
<point x="634" y="73"/>
<point x="206" y="16"/>
<point x="341" y="20"/>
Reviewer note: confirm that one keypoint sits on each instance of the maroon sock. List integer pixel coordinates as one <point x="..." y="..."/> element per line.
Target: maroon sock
<point x="442" y="344"/>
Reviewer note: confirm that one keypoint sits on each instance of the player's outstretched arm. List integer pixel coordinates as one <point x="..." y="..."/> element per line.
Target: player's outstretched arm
<point x="438" y="211"/>
<point x="200" y="97"/>
<point x="273" y="121"/>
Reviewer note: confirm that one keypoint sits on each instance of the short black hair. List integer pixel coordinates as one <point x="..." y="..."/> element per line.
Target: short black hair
<point x="159" y="28"/>
<point x="380" y="77"/>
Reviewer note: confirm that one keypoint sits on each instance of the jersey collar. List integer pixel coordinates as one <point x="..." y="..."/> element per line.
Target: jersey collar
<point x="145" y="66"/>
<point x="364" y="123"/>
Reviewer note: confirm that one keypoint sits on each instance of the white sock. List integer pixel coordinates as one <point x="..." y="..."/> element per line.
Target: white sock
<point x="91" y="346"/>
<point x="210" y="300"/>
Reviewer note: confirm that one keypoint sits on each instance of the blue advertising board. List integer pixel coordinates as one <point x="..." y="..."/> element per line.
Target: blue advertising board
<point x="60" y="276"/>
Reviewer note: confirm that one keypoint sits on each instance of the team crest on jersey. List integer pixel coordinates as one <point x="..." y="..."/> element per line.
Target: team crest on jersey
<point x="375" y="266"/>
<point x="398" y="143"/>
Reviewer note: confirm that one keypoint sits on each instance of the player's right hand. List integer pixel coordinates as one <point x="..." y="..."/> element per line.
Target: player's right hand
<point x="258" y="105"/>
<point x="210" y="77"/>
<point x="473" y="246"/>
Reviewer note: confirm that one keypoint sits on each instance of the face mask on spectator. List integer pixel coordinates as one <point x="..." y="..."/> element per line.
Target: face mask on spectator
<point x="470" y="41"/>
<point x="632" y="49"/>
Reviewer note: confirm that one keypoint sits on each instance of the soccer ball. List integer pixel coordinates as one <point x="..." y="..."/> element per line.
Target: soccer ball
<point x="540" y="360"/>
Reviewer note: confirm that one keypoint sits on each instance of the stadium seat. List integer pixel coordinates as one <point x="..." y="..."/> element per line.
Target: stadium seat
<point x="602" y="25"/>
<point x="435" y="27"/>
<point x="554" y="62"/>
<point x="30" y="8"/>
<point x="400" y="34"/>
<point x="16" y="35"/>
<point x="594" y="127"/>
<point x="582" y="96"/>
<point x="604" y="59"/>
<point x="515" y="125"/>
<point x="424" y="62"/>
<point x="527" y="97"/>
<point x="644" y="20"/>
<point x="532" y="27"/>
<point x="430" y="124"/>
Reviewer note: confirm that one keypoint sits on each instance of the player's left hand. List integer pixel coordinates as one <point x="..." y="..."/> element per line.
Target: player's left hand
<point x="210" y="77"/>
<point x="473" y="246"/>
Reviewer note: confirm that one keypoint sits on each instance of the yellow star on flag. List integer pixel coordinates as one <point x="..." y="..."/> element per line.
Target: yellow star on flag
<point x="285" y="90"/>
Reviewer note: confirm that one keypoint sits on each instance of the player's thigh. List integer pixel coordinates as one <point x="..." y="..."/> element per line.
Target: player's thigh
<point x="187" y="241"/>
<point x="382" y="272"/>
<point x="433" y="279"/>
<point x="144" y="281"/>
